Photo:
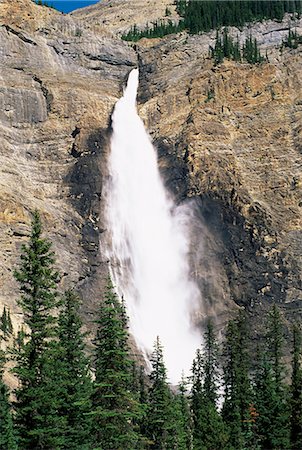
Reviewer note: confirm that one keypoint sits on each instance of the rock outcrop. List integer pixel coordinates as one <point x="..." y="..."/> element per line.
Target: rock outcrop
<point x="119" y="16"/>
<point x="233" y="131"/>
<point x="228" y="137"/>
<point x="58" y="86"/>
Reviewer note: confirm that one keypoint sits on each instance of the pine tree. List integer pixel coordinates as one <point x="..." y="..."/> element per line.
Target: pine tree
<point x="4" y="323"/>
<point x="238" y="394"/>
<point x="210" y="364"/>
<point x="115" y="409"/>
<point x="73" y="370"/>
<point x="208" y="428"/>
<point x="7" y="432"/>
<point x="197" y="400"/>
<point x="37" y="393"/>
<point x="159" y="423"/>
<point x="296" y="391"/>
<point x="182" y="418"/>
<point x="9" y="323"/>
<point x="270" y="391"/>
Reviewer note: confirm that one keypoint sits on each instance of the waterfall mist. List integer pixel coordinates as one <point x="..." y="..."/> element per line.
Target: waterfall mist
<point x="149" y="244"/>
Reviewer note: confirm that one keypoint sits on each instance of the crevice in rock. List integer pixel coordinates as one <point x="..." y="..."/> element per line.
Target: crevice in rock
<point x="109" y="59"/>
<point x="19" y="35"/>
<point x="47" y="95"/>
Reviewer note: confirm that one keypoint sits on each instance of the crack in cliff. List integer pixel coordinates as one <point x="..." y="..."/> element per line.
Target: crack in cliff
<point x="19" y="35"/>
<point x="46" y="94"/>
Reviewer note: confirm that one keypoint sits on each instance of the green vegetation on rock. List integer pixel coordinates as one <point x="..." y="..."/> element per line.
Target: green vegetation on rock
<point x="58" y="406"/>
<point x="205" y="15"/>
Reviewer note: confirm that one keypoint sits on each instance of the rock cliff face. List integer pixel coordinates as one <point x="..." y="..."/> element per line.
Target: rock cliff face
<point x="58" y="86"/>
<point x="234" y="133"/>
<point x="119" y="16"/>
<point x="228" y="139"/>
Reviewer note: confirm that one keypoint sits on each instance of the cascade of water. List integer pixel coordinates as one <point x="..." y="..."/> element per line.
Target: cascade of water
<point x="149" y="243"/>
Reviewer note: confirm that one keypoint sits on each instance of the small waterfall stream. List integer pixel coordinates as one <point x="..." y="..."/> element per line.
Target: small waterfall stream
<point x="149" y="243"/>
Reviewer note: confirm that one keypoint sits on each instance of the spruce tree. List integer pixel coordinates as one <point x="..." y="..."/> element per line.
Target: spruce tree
<point x="9" y="323"/>
<point x="75" y="381"/>
<point x="159" y="423"/>
<point x="237" y="386"/>
<point x="4" y="322"/>
<point x="182" y="418"/>
<point x="115" y="411"/>
<point x="270" y="391"/>
<point x="7" y="432"/>
<point x="37" y="397"/>
<point x="208" y="429"/>
<point x="296" y="391"/>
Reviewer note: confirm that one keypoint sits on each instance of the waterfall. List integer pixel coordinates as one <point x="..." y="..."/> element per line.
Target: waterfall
<point x="149" y="244"/>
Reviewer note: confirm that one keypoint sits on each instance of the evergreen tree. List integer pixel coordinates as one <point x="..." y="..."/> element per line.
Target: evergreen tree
<point x="9" y="323"/>
<point x="37" y="397"/>
<point x="210" y="365"/>
<point x="209" y="14"/>
<point x="217" y="51"/>
<point x="7" y="433"/>
<point x="208" y="429"/>
<point x="115" y="409"/>
<point x="159" y="426"/>
<point x="237" y="386"/>
<point x="296" y="391"/>
<point x="270" y="391"/>
<point x="293" y="39"/>
<point x="140" y="394"/>
<point x="182" y="418"/>
<point x="75" y="381"/>
<point x="4" y="323"/>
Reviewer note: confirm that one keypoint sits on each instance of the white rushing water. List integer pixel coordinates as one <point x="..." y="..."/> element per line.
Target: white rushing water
<point x="149" y="243"/>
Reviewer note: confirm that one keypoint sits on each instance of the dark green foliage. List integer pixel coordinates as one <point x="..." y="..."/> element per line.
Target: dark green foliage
<point x="75" y="381"/>
<point x="209" y="432"/>
<point x="159" y="423"/>
<point x="115" y="409"/>
<point x="207" y="15"/>
<point x="210" y="365"/>
<point x="296" y="391"/>
<point x="167" y="12"/>
<point x="238" y="393"/>
<point x="37" y="395"/>
<point x="6" y="323"/>
<point x="7" y="432"/>
<point x="226" y="47"/>
<point x="159" y="28"/>
<point x="58" y="408"/>
<point x="270" y="391"/>
<point x="182" y="417"/>
<point x="251" y="52"/>
<point x="9" y="323"/>
<point x="293" y="39"/>
<point x="217" y="52"/>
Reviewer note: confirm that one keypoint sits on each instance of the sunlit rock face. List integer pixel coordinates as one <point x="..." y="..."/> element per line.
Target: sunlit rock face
<point x="118" y="16"/>
<point x="228" y="139"/>
<point x="233" y="133"/>
<point x="58" y="86"/>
